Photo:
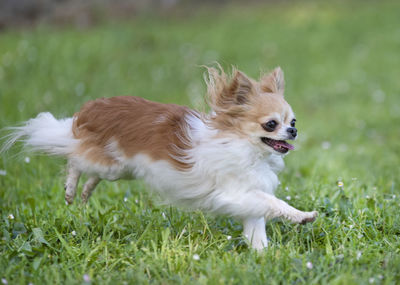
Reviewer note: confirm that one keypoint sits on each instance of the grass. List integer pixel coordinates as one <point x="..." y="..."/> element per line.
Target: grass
<point x="341" y="64"/>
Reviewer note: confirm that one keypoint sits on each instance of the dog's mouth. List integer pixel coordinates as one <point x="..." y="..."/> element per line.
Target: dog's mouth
<point x="277" y="145"/>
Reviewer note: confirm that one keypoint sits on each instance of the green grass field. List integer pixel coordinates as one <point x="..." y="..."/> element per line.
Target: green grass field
<point x="342" y="68"/>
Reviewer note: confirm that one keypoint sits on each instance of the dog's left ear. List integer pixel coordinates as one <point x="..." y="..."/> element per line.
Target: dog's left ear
<point x="273" y="82"/>
<point x="241" y="88"/>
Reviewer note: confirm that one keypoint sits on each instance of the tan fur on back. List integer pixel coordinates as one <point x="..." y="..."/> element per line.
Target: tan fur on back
<point x="136" y="124"/>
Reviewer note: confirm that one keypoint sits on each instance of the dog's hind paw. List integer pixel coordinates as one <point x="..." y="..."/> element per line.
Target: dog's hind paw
<point x="69" y="199"/>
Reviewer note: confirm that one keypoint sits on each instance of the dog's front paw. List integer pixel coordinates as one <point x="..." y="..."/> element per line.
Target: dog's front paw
<point x="308" y="217"/>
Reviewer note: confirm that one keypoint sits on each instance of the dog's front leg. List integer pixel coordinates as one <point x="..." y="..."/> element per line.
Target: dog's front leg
<point x="281" y="209"/>
<point x="254" y="207"/>
<point x="271" y="207"/>
<point x="257" y="204"/>
<point x="254" y="231"/>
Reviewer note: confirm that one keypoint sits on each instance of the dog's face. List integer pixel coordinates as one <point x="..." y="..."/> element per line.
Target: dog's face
<point x="256" y="110"/>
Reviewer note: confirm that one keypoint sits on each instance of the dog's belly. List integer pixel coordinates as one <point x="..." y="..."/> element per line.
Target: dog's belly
<point x="109" y="172"/>
<point x="172" y="183"/>
<point x="202" y="186"/>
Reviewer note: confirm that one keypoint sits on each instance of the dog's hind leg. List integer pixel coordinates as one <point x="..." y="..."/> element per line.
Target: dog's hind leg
<point x="72" y="182"/>
<point x="88" y="188"/>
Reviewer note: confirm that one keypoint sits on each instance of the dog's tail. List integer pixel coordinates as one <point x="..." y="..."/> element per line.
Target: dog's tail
<point x="44" y="134"/>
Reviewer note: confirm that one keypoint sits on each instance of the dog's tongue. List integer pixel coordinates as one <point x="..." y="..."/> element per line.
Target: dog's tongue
<point x="283" y="144"/>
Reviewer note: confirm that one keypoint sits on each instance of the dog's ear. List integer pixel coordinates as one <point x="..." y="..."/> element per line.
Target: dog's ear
<point x="273" y="82"/>
<point x="228" y="95"/>
<point x="241" y="88"/>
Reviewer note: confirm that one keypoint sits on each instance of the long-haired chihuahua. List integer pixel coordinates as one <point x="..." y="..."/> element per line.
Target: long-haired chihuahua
<point x="224" y="162"/>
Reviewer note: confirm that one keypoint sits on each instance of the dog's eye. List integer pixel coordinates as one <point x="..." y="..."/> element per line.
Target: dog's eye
<point x="270" y="126"/>
<point x="293" y="123"/>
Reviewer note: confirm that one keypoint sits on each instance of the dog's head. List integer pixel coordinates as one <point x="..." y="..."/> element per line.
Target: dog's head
<point x="255" y="110"/>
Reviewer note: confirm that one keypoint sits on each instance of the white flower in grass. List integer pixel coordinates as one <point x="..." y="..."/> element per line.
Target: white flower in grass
<point x="125" y="199"/>
<point x="27" y="159"/>
<point x="360" y="236"/>
<point x="309" y="265"/>
<point x="359" y="253"/>
<point x="4" y="281"/>
<point x="73" y="233"/>
<point x="340" y="184"/>
<point x="3" y="172"/>
<point x="86" y="278"/>
<point x="164" y="216"/>
<point x="11" y="216"/>
<point x="351" y="226"/>
<point x="228" y="237"/>
<point x="326" y="145"/>
<point x="136" y="201"/>
<point x="288" y="198"/>
<point x="371" y="280"/>
<point x="196" y="256"/>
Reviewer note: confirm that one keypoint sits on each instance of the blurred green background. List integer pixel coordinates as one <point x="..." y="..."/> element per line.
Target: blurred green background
<point x="342" y="67"/>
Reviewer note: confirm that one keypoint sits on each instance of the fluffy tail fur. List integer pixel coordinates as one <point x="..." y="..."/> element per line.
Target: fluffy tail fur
<point x="44" y="134"/>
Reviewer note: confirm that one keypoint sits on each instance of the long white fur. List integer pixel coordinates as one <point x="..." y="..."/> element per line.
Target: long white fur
<point x="229" y="176"/>
<point x="44" y="134"/>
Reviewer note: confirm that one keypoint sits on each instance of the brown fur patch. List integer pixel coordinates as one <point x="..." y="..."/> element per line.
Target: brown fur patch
<point x="136" y="124"/>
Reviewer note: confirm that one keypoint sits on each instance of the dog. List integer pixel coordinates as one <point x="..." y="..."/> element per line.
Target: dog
<point x="223" y="162"/>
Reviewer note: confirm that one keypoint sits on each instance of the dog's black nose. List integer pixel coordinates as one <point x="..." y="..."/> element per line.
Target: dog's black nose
<point x="292" y="132"/>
